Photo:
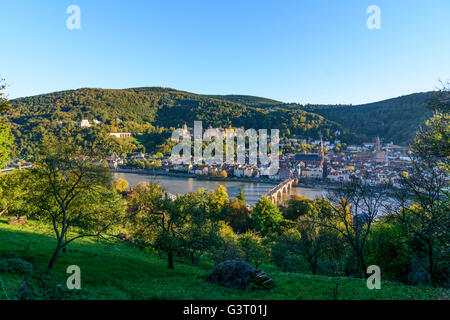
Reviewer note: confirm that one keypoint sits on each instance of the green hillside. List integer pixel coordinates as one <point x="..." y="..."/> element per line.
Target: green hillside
<point x="394" y="119"/>
<point x="247" y="100"/>
<point x="140" y="109"/>
<point x="117" y="270"/>
<point x="155" y="111"/>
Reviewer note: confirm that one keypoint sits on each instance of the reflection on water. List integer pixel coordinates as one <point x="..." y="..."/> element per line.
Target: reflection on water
<point x="179" y="185"/>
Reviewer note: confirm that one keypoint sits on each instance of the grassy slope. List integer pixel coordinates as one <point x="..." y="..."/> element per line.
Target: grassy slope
<point x="119" y="271"/>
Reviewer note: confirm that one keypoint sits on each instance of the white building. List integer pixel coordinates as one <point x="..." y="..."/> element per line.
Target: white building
<point x="85" y="124"/>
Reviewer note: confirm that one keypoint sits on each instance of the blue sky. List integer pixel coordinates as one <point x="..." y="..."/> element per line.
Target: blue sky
<point x="294" y="51"/>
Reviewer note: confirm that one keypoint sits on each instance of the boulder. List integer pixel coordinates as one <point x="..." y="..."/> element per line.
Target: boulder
<point x="239" y="275"/>
<point x="22" y="220"/>
<point x="13" y="220"/>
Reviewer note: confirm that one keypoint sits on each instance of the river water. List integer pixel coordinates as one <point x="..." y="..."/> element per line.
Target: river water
<point x="180" y="185"/>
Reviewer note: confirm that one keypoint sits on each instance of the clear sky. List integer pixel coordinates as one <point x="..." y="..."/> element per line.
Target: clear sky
<point x="294" y="51"/>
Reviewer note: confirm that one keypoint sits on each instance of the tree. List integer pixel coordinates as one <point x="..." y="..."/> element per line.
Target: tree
<point x="219" y="202"/>
<point x="223" y="174"/>
<point x="390" y="247"/>
<point x="227" y="246"/>
<point x="121" y="185"/>
<point x="69" y="188"/>
<point x="354" y="210"/>
<point x="297" y="206"/>
<point x="266" y="217"/>
<point x="238" y="216"/>
<point x="423" y="201"/>
<point x="12" y="192"/>
<point x="241" y="195"/>
<point x="154" y="219"/>
<point x="316" y="240"/>
<point x="252" y="248"/>
<point x="6" y="137"/>
<point x="199" y="232"/>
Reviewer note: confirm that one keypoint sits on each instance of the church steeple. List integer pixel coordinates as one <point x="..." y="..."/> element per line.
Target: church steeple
<point x="378" y="145"/>
<point x="321" y="152"/>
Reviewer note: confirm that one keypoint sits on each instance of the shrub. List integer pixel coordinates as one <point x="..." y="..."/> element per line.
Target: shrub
<point x="252" y="248"/>
<point x="15" y="265"/>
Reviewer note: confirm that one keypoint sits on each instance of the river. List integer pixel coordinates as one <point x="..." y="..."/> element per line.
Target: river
<point x="180" y="185"/>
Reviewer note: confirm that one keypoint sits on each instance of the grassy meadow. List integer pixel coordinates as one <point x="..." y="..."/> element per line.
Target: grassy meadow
<point x="118" y="270"/>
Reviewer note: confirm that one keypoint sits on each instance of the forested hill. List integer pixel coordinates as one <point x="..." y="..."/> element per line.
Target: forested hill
<point x="394" y="119"/>
<point x="248" y="100"/>
<point x="141" y="109"/>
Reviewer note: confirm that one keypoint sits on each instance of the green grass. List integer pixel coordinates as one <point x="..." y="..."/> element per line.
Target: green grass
<point x="120" y="271"/>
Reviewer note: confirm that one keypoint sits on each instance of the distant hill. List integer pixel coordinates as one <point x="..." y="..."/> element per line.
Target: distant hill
<point x="247" y="100"/>
<point x="394" y="119"/>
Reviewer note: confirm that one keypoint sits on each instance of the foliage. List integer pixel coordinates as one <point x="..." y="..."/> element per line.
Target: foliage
<point x="6" y="137"/>
<point x="219" y="202"/>
<point x="15" y="265"/>
<point x="121" y="185"/>
<point x="137" y="274"/>
<point x="238" y="215"/>
<point x="71" y="190"/>
<point x="153" y="112"/>
<point x="423" y="201"/>
<point x="12" y="193"/>
<point x="200" y="231"/>
<point x="266" y="217"/>
<point x="252" y="248"/>
<point x="384" y="118"/>
<point x="390" y="248"/>
<point x="241" y="195"/>
<point x="154" y="220"/>
<point x="227" y="246"/>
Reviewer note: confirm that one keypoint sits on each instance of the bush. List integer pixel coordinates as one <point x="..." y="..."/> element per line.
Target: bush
<point x="252" y="248"/>
<point x="15" y="265"/>
<point x="41" y="285"/>
<point x="227" y="246"/>
<point x="389" y="248"/>
<point x="284" y="252"/>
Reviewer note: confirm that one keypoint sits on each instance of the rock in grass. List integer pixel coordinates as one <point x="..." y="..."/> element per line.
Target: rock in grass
<point x="22" y="220"/>
<point x="239" y="275"/>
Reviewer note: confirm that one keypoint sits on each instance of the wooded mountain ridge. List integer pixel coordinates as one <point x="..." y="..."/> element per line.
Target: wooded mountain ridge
<point x="132" y="109"/>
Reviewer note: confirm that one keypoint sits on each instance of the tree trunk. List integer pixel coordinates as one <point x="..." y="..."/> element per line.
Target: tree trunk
<point x="55" y="256"/>
<point x="170" y="259"/>
<point x="361" y="263"/>
<point x="314" y="265"/>
<point x="431" y="264"/>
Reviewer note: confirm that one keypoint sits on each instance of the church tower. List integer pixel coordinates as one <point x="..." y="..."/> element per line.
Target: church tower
<point x="323" y="163"/>
<point x="378" y="145"/>
<point x="321" y="153"/>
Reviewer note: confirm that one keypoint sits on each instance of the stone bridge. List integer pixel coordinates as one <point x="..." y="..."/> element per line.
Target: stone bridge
<point x="284" y="189"/>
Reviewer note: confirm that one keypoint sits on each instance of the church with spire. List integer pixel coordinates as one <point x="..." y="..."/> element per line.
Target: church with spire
<point x="378" y="155"/>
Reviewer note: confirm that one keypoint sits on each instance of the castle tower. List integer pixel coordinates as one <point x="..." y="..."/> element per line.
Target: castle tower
<point x="378" y="145"/>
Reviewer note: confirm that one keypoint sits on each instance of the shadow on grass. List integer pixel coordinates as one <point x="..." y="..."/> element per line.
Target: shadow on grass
<point x="110" y="265"/>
